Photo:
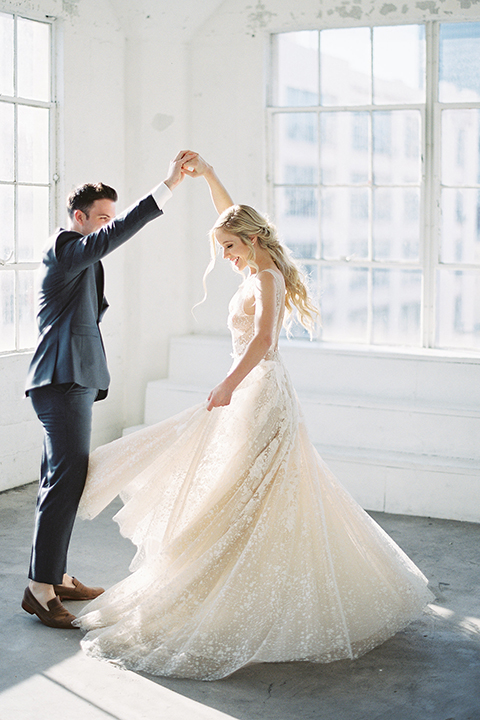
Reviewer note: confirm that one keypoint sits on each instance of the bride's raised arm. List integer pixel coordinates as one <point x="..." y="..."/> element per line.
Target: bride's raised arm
<point x="220" y="196"/>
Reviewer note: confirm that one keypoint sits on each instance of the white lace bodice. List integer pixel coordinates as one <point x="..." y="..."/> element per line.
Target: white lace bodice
<point x="242" y="324"/>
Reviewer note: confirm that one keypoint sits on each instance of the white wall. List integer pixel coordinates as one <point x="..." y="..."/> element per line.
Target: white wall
<point x="92" y="126"/>
<point x="142" y="80"/>
<point x="114" y="85"/>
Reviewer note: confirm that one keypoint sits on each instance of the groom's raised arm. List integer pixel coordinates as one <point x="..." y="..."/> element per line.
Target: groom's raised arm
<point x="75" y="251"/>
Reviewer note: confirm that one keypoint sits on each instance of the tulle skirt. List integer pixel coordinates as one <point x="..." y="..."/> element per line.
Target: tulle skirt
<point x="248" y="548"/>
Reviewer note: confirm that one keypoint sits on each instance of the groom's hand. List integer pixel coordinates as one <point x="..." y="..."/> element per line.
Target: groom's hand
<point x="176" y="172"/>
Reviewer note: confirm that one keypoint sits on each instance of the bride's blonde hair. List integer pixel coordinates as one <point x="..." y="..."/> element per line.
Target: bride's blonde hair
<point x="245" y="222"/>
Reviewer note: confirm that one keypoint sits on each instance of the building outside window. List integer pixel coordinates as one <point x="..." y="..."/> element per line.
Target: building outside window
<point x="27" y="125"/>
<point x="386" y="219"/>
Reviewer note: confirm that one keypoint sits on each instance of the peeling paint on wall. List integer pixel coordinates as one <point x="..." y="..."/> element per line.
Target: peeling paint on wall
<point x="387" y="8"/>
<point x="70" y="7"/>
<point x="428" y="5"/>
<point x="24" y="6"/>
<point x="354" y="12"/>
<point x="162" y="122"/>
<point x="259" y="18"/>
<point x="253" y="17"/>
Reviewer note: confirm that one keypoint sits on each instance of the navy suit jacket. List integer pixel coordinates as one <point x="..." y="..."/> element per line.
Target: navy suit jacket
<point x="72" y="303"/>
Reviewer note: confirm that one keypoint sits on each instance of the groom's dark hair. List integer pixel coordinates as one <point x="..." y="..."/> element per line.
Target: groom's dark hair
<point x="83" y="197"/>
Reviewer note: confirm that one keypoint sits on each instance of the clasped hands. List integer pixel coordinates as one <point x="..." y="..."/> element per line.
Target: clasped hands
<point x="186" y="162"/>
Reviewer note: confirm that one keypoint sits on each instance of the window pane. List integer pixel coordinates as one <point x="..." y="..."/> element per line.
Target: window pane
<point x="7" y="229"/>
<point x="458" y="309"/>
<point x="32" y="222"/>
<point x="300" y="128"/>
<point x="347" y="161"/>
<point x="396" y="223"/>
<point x="296" y="62"/>
<point x="345" y="67"/>
<point x="296" y="139"/>
<point x="399" y="64"/>
<point x="461" y="147"/>
<point x="33" y="79"/>
<point x="27" y="328"/>
<point x="296" y="214"/>
<point x="396" y="147"/>
<point x="459" y="66"/>
<point x="7" y="311"/>
<point x="311" y="277"/>
<point x="6" y="54"/>
<point x="344" y="302"/>
<point x="33" y="156"/>
<point x="396" y="307"/>
<point x="344" y="223"/>
<point x="460" y="226"/>
<point x="6" y="141"/>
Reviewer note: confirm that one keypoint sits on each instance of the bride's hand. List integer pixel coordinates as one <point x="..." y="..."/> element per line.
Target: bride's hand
<point x="196" y="166"/>
<point x="220" y="395"/>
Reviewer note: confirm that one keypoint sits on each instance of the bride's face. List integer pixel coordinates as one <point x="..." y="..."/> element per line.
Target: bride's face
<point x="234" y="249"/>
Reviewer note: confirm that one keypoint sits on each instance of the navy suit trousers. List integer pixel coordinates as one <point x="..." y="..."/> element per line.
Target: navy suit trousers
<point x="65" y="412"/>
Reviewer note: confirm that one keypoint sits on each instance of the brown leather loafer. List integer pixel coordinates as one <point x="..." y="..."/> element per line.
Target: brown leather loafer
<point x="56" y="616"/>
<point x="79" y="592"/>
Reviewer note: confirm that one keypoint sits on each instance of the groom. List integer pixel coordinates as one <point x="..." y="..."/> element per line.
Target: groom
<point x="68" y="373"/>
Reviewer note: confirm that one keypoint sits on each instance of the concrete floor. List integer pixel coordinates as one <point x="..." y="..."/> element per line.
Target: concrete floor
<point x="431" y="671"/>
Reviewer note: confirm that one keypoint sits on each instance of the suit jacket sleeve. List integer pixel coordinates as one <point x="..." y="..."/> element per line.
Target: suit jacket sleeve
<point x="75" y="252"/>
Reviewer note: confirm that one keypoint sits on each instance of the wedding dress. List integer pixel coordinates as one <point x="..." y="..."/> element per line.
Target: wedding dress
<point x="249" y="550"/>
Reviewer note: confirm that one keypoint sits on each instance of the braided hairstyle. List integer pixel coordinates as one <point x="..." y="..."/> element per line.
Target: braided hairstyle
<point x="245" y="222"/>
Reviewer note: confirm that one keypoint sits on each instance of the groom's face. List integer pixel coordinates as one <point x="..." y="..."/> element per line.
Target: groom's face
<point x="99" y="214"/>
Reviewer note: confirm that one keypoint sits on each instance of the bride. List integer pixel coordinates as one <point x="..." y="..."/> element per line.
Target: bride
<point x="249" y="550"/>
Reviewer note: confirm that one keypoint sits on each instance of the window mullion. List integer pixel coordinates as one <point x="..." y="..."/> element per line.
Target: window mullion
<point x="15" y="185"/>
<point x="270" y="164"/>
<point x="56" y="178"/>
<point x="370" y="229"/>
<point x="370" y="202"/>
<point x="319" y="182"/>
<point x="320" y="210"/>
<point x="431" y="200"/>
<point x="16" y="308"/>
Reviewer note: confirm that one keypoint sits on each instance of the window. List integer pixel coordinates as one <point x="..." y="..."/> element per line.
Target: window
<point x="384" y="205"/>
<point x="26" y="170"/>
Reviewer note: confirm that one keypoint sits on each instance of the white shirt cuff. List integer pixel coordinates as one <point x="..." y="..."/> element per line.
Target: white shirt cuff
<point x="161" y="194"/>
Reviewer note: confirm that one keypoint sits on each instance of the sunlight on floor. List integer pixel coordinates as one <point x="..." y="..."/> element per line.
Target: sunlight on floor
<point x="468" y="624"/>
<point x="99" y="691"/>
<point x="472" y="624"/>
<point x="442" y="612"/>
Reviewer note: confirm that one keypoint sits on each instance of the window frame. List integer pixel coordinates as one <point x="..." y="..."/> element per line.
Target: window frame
<point x="429" y="260"/>
<point x="52" y="105"/>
